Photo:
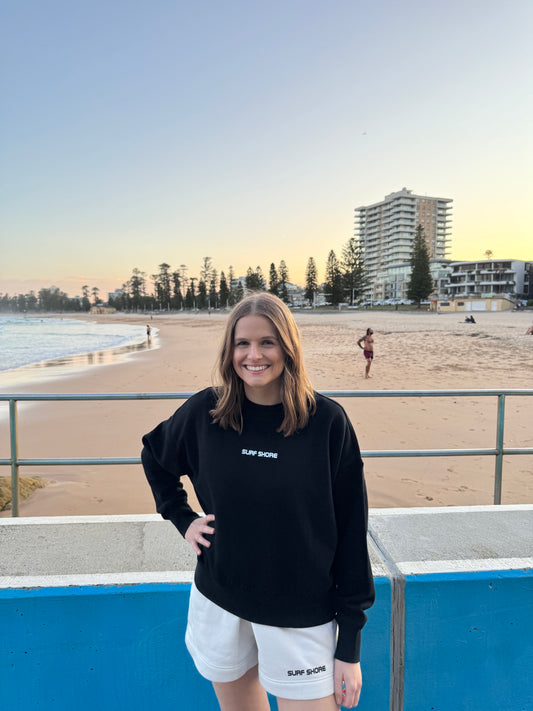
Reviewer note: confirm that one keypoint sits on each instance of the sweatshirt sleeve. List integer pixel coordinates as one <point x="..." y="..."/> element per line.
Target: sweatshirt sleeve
<point x="165" y="459"/>
<point x="352" y="571"/>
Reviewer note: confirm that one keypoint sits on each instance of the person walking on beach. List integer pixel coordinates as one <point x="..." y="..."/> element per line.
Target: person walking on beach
<point x="148" y="331"/>
<point x="366" y="342"/>
<point x="283" y="574"/>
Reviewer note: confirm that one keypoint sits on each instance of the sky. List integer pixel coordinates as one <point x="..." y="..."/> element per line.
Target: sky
<point x="136" y="133"/>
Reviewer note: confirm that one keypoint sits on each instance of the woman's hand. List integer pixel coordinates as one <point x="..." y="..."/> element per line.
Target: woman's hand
<point x="348" y="683"/>
<point x="195" y="533"/>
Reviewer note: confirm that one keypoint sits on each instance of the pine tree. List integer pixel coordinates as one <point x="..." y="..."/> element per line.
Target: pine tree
<point x="421" y="282"/>
<point x="179" y="282"/>
<point x="260" y="278"/>
<point x="311" y="281"/>
<point x="213" y="294"/>
<point x="223" y="291"/>
<point x="239" y="292"/>
<point x="85" y="301"/>
<point x="32" y="301"/>
<point x="190" y="297"/>
<point x="333" y="280"/>
<point x="201" y="299"/>
<point x="136" y="288"/>
<point x="162" y="286"/>
<point x="273" y="280"/>
<point x="353" y="270"/>
<point x="232" y="296"/>
<point x="283" y="274"/>
<point x="255" y="281"/>
<point x="206" y="270"/>
<point x="177" y="299"/>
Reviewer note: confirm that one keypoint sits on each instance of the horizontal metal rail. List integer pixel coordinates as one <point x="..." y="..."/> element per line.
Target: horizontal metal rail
<point x="485" y="392"/>
<point x="499" y="451"/>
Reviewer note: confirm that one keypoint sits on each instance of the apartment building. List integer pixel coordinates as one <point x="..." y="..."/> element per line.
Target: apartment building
<point x="386" y="231"/>
<point x="488" y="278"/>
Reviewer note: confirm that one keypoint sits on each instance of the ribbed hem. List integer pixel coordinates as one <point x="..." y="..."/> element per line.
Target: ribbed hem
<point x="276" y="611"/>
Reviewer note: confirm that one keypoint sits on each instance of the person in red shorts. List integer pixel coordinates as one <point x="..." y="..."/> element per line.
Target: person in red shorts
<point x="366" y="342"/>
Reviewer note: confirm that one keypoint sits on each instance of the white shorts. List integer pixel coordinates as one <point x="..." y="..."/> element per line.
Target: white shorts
<point x="293" y="662"/>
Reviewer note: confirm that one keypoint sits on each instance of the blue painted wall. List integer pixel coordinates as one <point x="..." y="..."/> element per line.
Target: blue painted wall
<point x="99" y="648"/>
<point x="376" y="651"/>
<point x="121" y="648"/>
<point x="468" y="646"/>
<point x="469" y="641"/>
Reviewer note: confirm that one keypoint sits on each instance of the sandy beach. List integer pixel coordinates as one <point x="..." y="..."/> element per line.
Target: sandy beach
<point x="413" y="351"/>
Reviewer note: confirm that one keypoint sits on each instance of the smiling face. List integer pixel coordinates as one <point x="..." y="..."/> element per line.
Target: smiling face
<point x="258" y="359"/>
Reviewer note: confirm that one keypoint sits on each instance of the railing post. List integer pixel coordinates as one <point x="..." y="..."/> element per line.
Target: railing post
<point x="499" y="447"/>
<point x="14" y="458"/>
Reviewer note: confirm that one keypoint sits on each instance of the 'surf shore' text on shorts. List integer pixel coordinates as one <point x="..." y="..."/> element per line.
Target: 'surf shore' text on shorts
<point x="293" y="662"/>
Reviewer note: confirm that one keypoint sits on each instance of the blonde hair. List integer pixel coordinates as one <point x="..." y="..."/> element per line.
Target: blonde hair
<point x="297" y="394"/>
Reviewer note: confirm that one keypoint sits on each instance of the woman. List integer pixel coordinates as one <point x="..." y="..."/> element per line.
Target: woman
<point x="283" y="575"/>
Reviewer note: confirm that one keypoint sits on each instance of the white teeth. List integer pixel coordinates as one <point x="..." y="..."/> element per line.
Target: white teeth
<point x="255" y="368"/>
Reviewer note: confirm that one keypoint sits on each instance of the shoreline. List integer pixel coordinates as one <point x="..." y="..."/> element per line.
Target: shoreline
<point x="427" y="352"/>
<point x="70" y="364"/>
<point x="50" y="368"/>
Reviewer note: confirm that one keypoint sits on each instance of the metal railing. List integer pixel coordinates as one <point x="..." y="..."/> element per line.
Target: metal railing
<point x="498" y="451"/>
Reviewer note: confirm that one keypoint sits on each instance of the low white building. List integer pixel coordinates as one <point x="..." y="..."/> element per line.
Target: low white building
<point x="115" y="294"/>
<point x="394" y="283"/>
<point x="296" y="294"/>
<point x="488" y="278"/>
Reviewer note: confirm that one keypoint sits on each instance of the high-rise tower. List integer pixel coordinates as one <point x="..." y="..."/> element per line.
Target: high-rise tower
<point x="386" y="231"/>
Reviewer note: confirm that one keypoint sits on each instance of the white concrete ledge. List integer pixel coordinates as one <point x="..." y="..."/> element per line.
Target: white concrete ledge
<point x="59" y="520"/>
<point x="429" y="567"/>
<point x="127" y="549"/>
<point x="103" y="579"/>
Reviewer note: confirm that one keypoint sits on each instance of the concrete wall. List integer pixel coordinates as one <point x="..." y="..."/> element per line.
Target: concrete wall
<point x="467" y="304"/>
<point x="93" y="613"/>
<point x="462" y="606"/>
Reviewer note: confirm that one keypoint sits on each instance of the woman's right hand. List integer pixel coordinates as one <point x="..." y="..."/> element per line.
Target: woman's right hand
<point x="195" y="533"/>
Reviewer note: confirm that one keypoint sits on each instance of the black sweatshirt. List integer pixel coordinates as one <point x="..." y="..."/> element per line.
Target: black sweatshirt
<point x="289" y="547"/>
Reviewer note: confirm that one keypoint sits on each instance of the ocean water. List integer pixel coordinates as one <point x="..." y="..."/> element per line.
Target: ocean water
<point x="32" y="340"/>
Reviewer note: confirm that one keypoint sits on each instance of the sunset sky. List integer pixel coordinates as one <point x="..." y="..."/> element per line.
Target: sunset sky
<point x="136" y="133"/>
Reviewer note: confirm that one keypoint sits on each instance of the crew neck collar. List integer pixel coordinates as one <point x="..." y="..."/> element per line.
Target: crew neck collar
<point x="249" y="405"/>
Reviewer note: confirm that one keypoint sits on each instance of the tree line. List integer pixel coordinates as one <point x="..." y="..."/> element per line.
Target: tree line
<point x="174" y="289"/>
<point x="49" y="299"/>
<point x="345" y="280"/>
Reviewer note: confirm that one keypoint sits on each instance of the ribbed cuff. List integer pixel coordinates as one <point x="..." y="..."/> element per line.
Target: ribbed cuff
<point x="182" y="524"/>
<point x="348" y="645"/>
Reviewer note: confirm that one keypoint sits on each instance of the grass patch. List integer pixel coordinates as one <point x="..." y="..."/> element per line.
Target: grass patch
<point x="27" y="485"/>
